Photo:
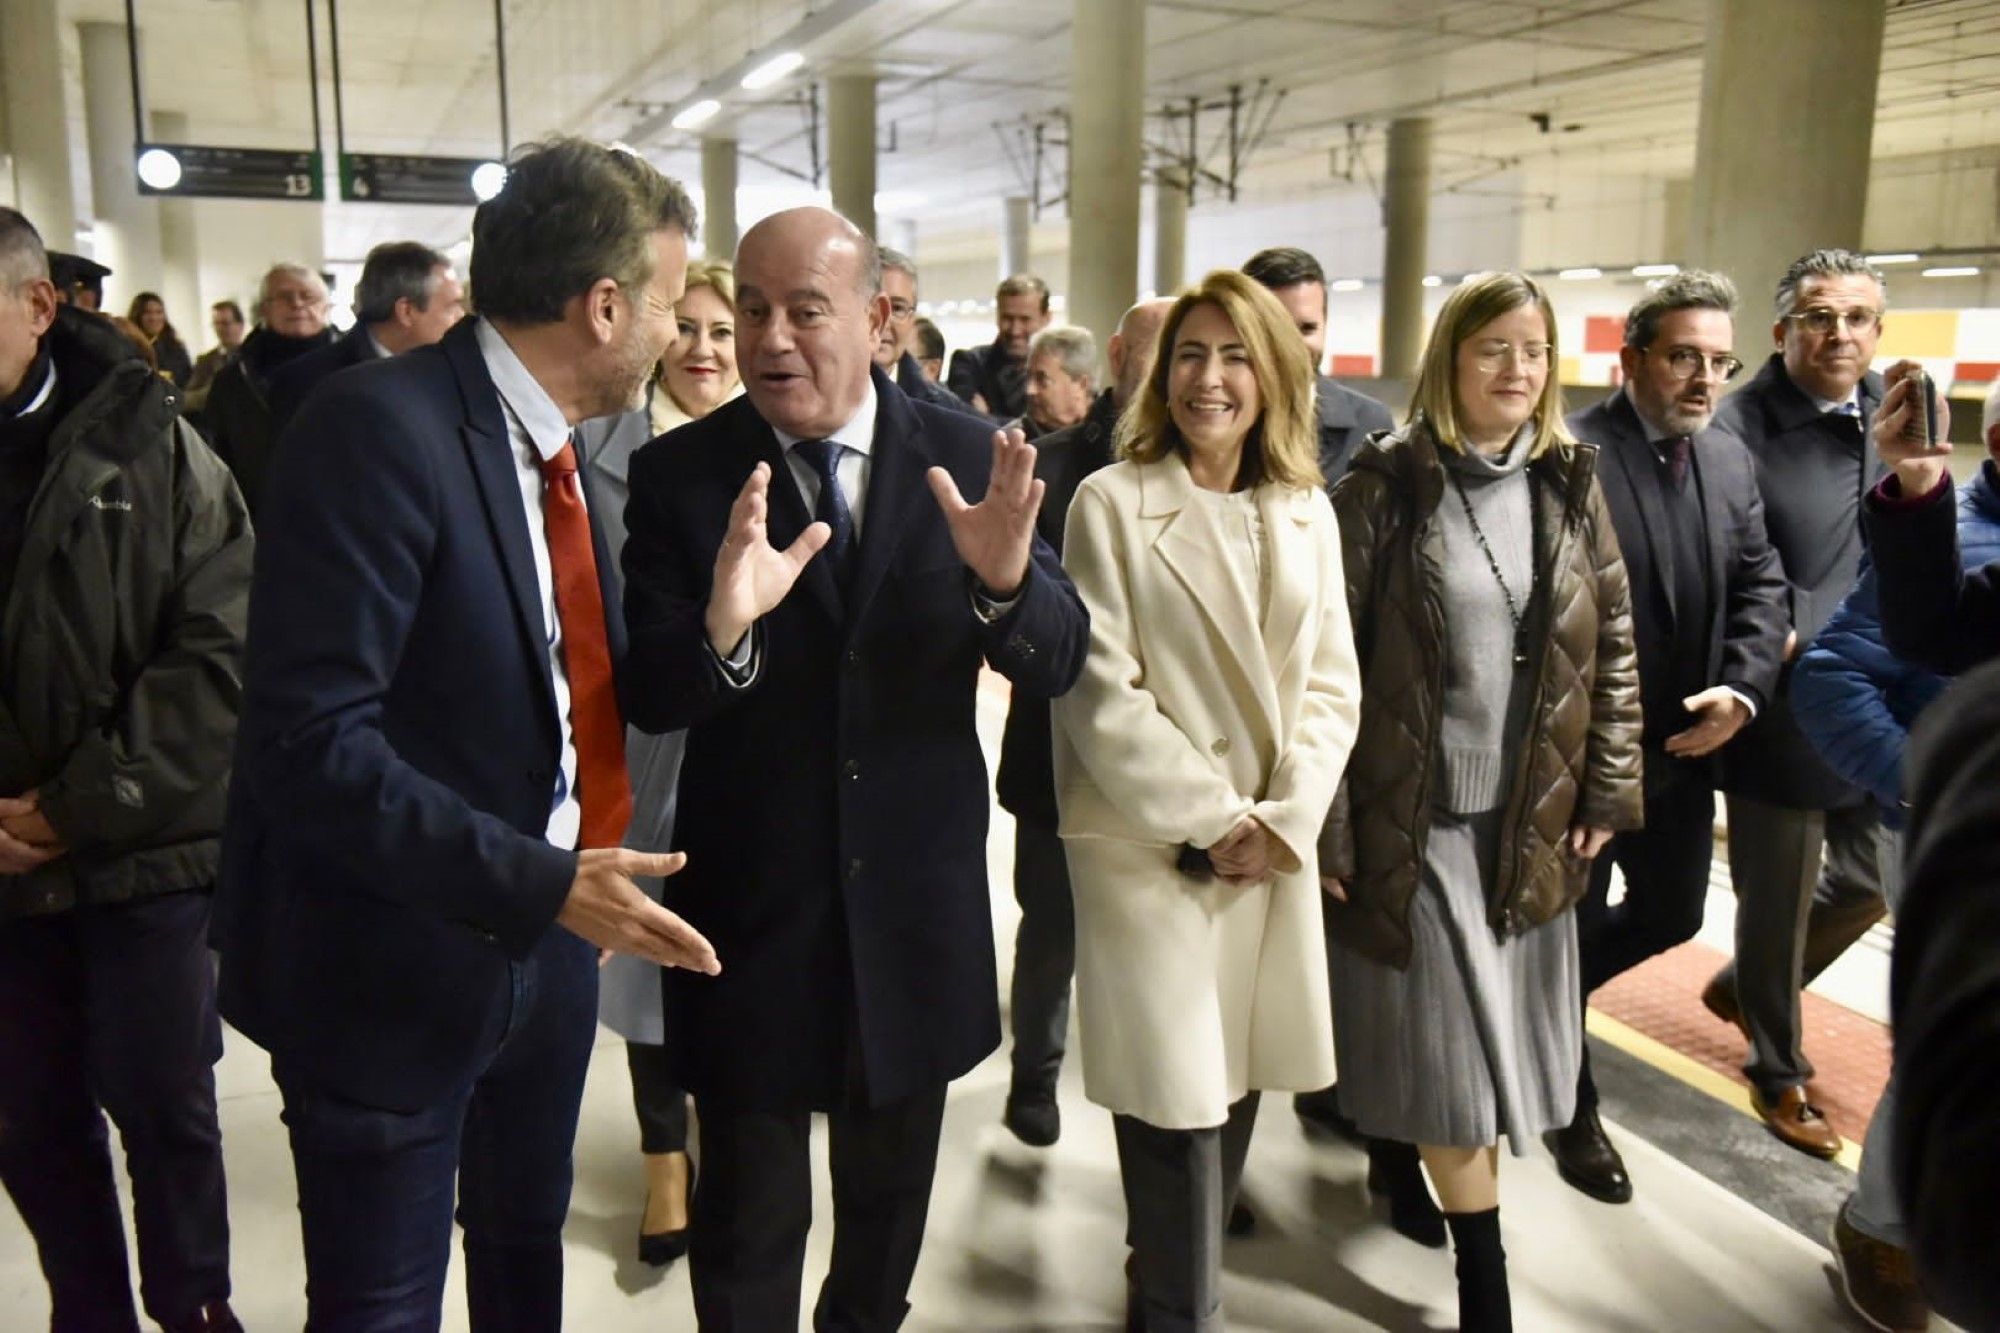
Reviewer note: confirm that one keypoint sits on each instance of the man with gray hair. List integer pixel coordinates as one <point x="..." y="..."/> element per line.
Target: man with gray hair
<point x="896" y="346"/>
<point x="1804" y="419"/>
<point x="1062" y="374"/>
<point x="291" y="324"/>
<point x="993" y="376"/>
<point x="407" y="297"/>
<point x="1709" y="618"/>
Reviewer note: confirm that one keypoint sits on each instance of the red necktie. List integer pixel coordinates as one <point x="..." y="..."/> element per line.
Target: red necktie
<point x="603" y="785"/>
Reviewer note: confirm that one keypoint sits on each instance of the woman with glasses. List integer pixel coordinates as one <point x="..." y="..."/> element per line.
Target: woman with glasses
<point x="1194" y="762"/>
<point x="697" y="375"/>
<point x="1498" y="751"/>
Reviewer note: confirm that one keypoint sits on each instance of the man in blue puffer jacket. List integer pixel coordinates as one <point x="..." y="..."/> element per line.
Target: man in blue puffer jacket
<point x="1856" y="700"/>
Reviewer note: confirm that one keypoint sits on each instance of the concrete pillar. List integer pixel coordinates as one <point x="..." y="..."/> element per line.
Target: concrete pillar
<point x="1014" y="232"/>
<point x="1170" y="210"/>
<point x="127" y="223"/>
<point x="37" y="129"/>
<point x="180" y="253"/>
<point x="1803" y="74"/>
<point x="850" y="146"/>
<point x="718" y="197"/>
<point x="1106" y="160"/>
<point x="1406" y="220"/>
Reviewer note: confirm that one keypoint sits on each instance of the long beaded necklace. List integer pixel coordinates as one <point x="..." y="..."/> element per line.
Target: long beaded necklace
<point x="1516" y="611"/>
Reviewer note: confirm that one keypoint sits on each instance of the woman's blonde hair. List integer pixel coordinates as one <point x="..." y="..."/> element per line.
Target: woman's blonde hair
<point x="715" y="274"/>
<point x="1479" y="301"/>
<point x="1283" y="445"/>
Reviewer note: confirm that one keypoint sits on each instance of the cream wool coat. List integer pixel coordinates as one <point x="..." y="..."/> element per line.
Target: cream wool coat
<point x="1192" y="712"/>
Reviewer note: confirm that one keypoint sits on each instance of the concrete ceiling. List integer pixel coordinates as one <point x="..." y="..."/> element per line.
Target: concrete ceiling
<point x="1569" y="89"/>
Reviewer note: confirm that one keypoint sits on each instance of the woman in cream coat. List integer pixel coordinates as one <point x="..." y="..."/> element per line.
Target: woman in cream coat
<point x="1195" y="761"/>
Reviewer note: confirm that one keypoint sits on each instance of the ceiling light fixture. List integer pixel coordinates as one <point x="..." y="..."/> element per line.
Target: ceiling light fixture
<point x="1899" y="257"/>
<point x="696" y="115"/>
<point x="777" y="67"/>
<point x="1433" y="280"/>
<point x="1965" y="271"/>
<point x="1580" y="274"/>
<point x="1655" y="270"/>
<point x="159" y="169"/>
<point x="1344" y="285"/>
<point x="488" y="179"/>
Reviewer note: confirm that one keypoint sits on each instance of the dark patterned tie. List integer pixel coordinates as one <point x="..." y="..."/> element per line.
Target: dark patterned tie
<point x="831" y="508"/>
<point x="1680" y="450"/>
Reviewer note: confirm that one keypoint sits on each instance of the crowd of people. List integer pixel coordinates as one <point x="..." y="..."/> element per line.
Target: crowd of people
<point x="610" y="653"/>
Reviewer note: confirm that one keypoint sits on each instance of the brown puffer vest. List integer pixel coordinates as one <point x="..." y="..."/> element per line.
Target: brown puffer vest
<point x="1581" y="762"/>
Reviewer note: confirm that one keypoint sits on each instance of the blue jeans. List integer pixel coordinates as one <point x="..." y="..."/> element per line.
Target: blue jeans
<point x="376" y="1186"/>
<point x="114" y="1008"/>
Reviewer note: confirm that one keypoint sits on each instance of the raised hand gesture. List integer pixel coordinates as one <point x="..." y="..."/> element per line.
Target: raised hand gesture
<point x="1899" y="434"/>
<point x="995" y="536"/>
<point x="751" y="575"/>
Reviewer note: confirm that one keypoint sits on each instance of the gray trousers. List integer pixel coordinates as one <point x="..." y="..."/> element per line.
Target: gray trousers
<point x="1796" y="911"/>
<point x="1044" y="956"/>
<point x="1179" y="1187"/>
<point x="1872" y="1208"/>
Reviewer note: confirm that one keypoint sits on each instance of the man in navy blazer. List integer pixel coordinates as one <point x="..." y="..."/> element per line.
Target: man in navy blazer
<point x="406" y="298"/>
<point x="1709" y="616"/>
<point x="416" y="875"/>
<point x="811" y="596"/>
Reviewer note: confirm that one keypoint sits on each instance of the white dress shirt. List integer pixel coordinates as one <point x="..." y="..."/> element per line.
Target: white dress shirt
<point x="537" y="430"/>
<point x="853" y="468"/>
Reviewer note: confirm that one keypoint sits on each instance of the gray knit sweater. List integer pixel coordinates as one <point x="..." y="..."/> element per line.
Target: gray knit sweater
<point x="1483" y="693"/>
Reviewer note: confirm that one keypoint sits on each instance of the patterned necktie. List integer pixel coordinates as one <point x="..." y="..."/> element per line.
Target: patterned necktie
<point x="831" y="508"/>
<point x="603" y="786"/>
<point x="1677" y="459"/>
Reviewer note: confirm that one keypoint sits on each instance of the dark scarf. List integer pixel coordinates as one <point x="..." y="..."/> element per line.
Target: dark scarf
<point x="266" y="349"/>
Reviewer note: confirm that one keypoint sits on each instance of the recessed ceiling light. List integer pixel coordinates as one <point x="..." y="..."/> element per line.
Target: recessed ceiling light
<point x="1580" y="274"/>
<point x="1962" y="271"/>
<point x="777" y="67"/>
<point x="700" y="113"/>
<point x="1344" y="285"/>
<point x="1655" y="270"/>
<point x="1899" y="257"/>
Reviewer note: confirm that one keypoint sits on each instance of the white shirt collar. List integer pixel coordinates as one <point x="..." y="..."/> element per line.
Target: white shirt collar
<point x="43" y="394"/>
<point x="375" y="345"/>
<point x="522" y="395"/>
<point x="858" y="434"/>
<point x="1837" y="404"/>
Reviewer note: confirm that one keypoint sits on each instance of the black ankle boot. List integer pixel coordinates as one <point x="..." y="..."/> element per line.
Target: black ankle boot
<point x="1396" y="1174"/>
<point x="1483" y="1303"/>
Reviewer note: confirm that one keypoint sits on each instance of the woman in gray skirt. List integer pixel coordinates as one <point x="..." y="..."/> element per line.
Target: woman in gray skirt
<point x="1498" y="752"/>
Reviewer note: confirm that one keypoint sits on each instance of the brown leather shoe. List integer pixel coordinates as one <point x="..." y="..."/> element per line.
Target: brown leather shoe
<point x="1719" y="998"/>
<point x="1798" y="1122"/>
<point x="1878" y="1279"/>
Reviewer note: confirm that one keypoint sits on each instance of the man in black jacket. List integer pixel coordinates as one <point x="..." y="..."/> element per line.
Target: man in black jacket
<point x="1804" y="420"/>
<point x="896" y="348"/>
<point x="407" y="297"/>
<point x="993" y="377"/>
<point x="124" y="574"/>
<point x="291" y="323"/>
<point x="1346" y="417"/>
<point x="1708" y="612"/>
<point x="1045" y="942"/>
<point x="811" y="596"/>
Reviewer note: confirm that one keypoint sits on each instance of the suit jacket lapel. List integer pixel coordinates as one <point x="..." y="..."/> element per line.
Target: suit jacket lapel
<point x="1191" y="546"/>
<point x="1636" y="463"/>
<point x="896" y="487"/>
<point x="491" y="455"/>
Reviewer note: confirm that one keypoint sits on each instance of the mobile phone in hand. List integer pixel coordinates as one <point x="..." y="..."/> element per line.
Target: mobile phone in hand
<point x="1923" y="423"/>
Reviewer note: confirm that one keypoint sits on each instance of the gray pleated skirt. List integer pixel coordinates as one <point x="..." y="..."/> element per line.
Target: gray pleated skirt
<point x="1478" y="1037"/>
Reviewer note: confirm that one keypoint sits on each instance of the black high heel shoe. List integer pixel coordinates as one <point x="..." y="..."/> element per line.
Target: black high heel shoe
<point x="660" y="1248"/>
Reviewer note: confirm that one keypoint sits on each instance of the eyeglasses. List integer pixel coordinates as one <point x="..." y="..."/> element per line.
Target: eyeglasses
<point x="901" y="311"/>
<point x="1494" y="355"/>
<point x="1686" y="363"/>
<point x="296" y="296"/>
<point x="1825" y="319"/>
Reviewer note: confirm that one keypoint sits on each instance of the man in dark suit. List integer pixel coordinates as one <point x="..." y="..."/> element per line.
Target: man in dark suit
<point x="1045" y="943"/>
<point x="1804" y="420"/>
<point x="833" y="800"/>
<point x="407" y="298"/>
<point x="1708" y="612"/>
<point x="1346" y="417"/>
<point x="993" y="377"/>
<point x="420" y="860"/>
<point x="896" y="351"/>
